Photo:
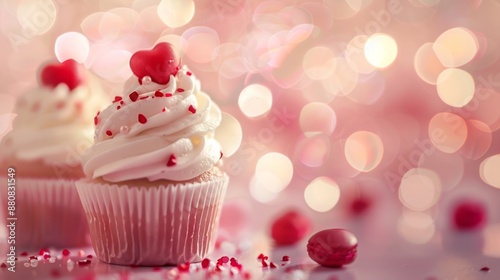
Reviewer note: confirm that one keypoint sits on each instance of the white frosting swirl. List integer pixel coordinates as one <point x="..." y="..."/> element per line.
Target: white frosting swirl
<point x="165" y="124"/>
<point x="54" y="125"/>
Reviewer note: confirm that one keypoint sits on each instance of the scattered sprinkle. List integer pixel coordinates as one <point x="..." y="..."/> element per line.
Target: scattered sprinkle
<point x="192" y="109"/>
<point x="168" y="95"/>
<point x="109" y="133"/>
<point x="285" y="258"/>
<point x="84" y="262"/>
<point x="65" y="252"/>
<point x="142" y="119"/>
<point x="272" y="265"/>
<point x="118" y="107"/>
<point x="180" y="90"/>
<point x="133" y="96"/>
<point x="485" y="268"/>
<point x="172" y="160"/>
<point x="140" y="81"/>
<point x="184" y="267"/>
<point x="24" y="254"/>
<point x="89" y="256"/>
<point x="164" y="109"/>
<point x="43" y="251"/>
<point x="3" y="265"/>
<point x="158" y="93"/>
<point x="205" y="263"/>
<point x="117" y="99"/>
<point x="188" y="73"/>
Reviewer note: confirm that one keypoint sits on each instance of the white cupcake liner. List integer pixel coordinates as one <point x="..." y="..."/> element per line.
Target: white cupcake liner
<point x="48" y="212"/>
<point x="152" y="225"/>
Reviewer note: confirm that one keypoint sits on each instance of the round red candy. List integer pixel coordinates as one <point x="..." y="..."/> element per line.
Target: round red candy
<point x="290" y="228"/>
<point x="333" y="247"/>
<point x="469" y="215"/>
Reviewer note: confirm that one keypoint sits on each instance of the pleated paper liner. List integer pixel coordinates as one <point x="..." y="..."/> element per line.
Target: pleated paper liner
<point x="153" y="225"/>
<point x="49" y="214"/>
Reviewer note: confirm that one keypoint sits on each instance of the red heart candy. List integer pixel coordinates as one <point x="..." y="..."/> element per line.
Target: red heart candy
<point x="158" y="63"/>
<point x="66" y="72"/>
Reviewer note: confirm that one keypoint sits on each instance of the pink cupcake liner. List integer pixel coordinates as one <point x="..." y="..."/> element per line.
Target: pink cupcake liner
<point x="49" y="214"/>
<point x="152" y="226"/>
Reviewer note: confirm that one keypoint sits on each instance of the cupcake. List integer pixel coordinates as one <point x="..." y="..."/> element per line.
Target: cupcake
<point x="154" y="189"/>
<point x="42" y="152"/>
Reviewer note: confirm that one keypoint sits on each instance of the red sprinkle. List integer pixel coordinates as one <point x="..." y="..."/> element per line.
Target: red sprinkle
<point x="164" y="109"/>
<point x="168" y="95"/>
<point x="118" y="107"/>
<point x="192" y="109"/>
<point x="43" y="251"/>
<point x="217" y="268"/>
<point x="140" y="81"/>
<point x="84" y="262"/>
<point x="225" y="259"/>
<point x="109" y="133"/>
<point x="264" y="263"/>
<point x="133" y="96"/>
<point x="180" y="90"/>
<point x="205" y="263"/>
<point x="157" y="268"/>
<point x="117" y="99"/>
<point x="285" y="258"/>
<point x="3" y="265"/>
<point x="183" y="267"/>
<point x="89" y="256"/>
<point x="273" y="265"/>
<point x="121" y="102"/>
<point x="46" y="256"/>
<point x="485" y="268"/>
<point x="188" y="73"/>
<point x="261" y="256"/>
<point x="144" y="97"/>
<point x="32" y="257"/>
<point x="24" y="254"/>
<point x="65" y="252"/>
<point x="172" y="160"/>
<point x="142" y="119"/>
<point x="158" y="93"/>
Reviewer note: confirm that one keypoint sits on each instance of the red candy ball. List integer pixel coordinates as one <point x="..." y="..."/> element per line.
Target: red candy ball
<point x="290" y="228"/>
<point x="469" y="215"/>
<point x="333" y="247"/>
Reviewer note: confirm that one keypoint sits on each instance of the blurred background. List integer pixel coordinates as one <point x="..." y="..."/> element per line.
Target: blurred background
<point x="384" y="113"/>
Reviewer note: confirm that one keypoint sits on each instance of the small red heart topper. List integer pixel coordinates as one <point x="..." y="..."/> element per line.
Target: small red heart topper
<point x="66" y="72"/>
<point x="158" y="63"/>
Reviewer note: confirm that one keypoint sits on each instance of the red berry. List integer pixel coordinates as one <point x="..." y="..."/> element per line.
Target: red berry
<point x="290" y="228"/>
<point x="172" y="160"/>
